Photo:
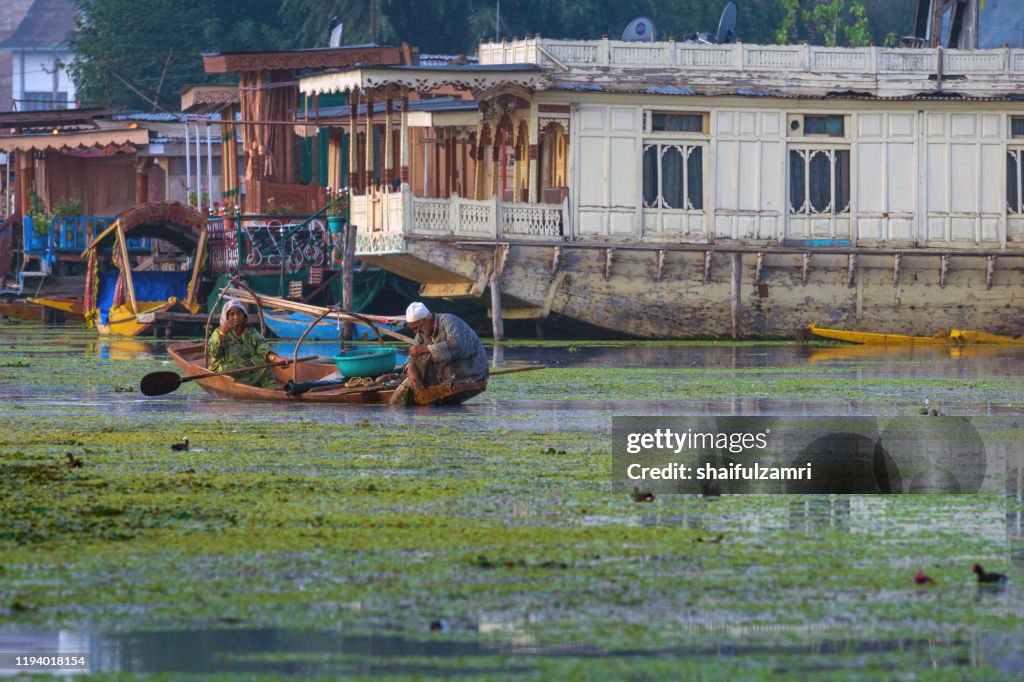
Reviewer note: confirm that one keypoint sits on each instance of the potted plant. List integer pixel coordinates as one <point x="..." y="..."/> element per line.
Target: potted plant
<point x="273" y="209"/>
<point x="41" y="221"/>
<point x="337" y="209"/>
<point x="64" y="236"/>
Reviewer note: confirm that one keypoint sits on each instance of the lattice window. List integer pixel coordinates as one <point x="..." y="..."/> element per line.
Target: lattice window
<point x="674" y="176"/>
<point x="1017" y="126"/>
<point x="1015" y="181"/>
<point x="819" y="181"/>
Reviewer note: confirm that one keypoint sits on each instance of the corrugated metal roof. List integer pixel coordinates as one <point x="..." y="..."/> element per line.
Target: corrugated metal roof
<point x="165" y="117"/>
<point x="434" y="104"/>
<point x="668" y="90"/>
<point x="445" y="59"/>
<point x="46" y="25"/>
<point x="462" y="68"/>
<point x="299" y="50"/>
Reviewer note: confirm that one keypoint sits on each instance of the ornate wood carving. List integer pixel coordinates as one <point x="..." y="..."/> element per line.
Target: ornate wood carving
<point x="334" y="58"/>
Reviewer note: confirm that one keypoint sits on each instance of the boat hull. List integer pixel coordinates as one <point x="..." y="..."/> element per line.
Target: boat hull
<point x="189" y="356"/>
<point x="954" y="337"/>
<point x="633" y="288"/>
<point x="292" y="326"/>
<point x="68" y="306"/>
<point x="121" y="321"/>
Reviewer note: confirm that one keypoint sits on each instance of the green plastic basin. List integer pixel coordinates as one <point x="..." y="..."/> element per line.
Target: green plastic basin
<point x="365" y="362"/>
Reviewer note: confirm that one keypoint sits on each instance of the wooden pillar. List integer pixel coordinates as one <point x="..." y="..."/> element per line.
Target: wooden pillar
<point x="142" y="167"/>
<point x="449" y="148"/>
<point x="368" y="169"/>
<point x="23" y="180"/>
<point x="389" y="160"/>
<point x="534" y="137"/>
<point x="405" y="140"/>
<point x="334" y="150"/>
<point x="479" y="158"/>
<point x="353" y="140"/>
<point x="438" y="136"/>
<point x="519" y="154"/>
<point x="737" y="280"/>
<point x="496" y="169"/>
<point x="464" y="171"/>
<point x="229" y="159"/>
<point x="496" y="320"/>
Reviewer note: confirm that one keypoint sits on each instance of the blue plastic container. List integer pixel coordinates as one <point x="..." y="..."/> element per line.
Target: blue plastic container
<point x="365" y="362"/>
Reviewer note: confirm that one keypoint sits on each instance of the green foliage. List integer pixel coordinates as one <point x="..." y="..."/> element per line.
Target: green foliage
<point x="272" y="208"/>
<point x="68" y="207"/>
<point x="824" y="22"/>
<point x="789" y="30"/>
<point x="41" y="217"/>
<point x="140" y="53"/>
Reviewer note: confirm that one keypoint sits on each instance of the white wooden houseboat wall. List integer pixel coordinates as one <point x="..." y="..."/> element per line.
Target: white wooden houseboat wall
<point x="935" y="177"/>
<point x="925" y="236"/>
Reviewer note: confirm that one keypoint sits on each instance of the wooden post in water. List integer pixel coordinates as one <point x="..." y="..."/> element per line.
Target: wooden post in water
<point x="348" y="275"/>
<point x="737" y="280"/>
<point x="496" y="321"/>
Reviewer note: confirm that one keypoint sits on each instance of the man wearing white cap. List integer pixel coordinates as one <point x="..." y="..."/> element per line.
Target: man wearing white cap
<point x="446" y="350"/>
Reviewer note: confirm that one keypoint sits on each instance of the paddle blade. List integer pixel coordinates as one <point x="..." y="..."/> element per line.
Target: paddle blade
<point x="159" y="383"/>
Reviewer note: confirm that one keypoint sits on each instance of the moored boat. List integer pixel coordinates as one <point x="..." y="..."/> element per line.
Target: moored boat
<point x="74" y="307"/>
<point x="291" y="325"/>
<point x="189" y="356"/>
<point x="127" y="302"/>
<point x="943" y="338"/>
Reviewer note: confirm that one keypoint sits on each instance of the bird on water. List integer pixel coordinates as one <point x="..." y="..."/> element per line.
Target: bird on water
<point x="988" y="578"/>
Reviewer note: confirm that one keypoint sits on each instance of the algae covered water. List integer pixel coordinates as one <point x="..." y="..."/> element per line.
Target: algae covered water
<point x="313" y="541"/>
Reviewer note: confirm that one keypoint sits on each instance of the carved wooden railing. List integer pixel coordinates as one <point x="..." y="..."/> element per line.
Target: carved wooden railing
<point x="864" y="61"/>
<point x="545" y="221"/>
<point x="383" y="219"/>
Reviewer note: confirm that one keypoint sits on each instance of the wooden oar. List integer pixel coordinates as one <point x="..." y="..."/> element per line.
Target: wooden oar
<point x="513" y="370"/>
<point x="161" y="383"/>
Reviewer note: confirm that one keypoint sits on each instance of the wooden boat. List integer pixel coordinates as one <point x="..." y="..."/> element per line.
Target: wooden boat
<point x="19" y="310"/>
<point x="291" y="325"/>
<point x="127" y="302"/>
<point x="74" y="307"/>
<point x="967" y="337"/>
<point x="189" y="357"/>
<point x="945" y="338"/>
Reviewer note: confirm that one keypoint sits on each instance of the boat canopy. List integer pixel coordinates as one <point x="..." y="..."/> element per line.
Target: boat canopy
<point x="172" y="222"/>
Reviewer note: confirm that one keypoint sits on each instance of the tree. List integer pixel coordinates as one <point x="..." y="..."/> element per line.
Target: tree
<point x="824" y="22"/>
<point x="137" y="54"/>
<point x="311" y="21"/>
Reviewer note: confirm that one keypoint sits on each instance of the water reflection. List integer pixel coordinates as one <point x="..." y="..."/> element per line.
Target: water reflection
<point x="301" y="653"/>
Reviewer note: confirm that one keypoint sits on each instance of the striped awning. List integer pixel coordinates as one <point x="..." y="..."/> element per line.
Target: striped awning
<point x="79" y="140"/>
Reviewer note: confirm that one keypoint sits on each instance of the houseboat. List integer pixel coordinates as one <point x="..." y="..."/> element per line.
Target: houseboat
<point x="676" y="189"/>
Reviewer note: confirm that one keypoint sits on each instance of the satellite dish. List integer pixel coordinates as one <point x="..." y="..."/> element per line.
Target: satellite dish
<point x="727" y="24"/>
<point x="640" y="30"/>
<point x="336" y="34"/>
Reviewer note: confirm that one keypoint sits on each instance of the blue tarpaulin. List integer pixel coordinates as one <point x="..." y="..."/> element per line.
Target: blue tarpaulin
<point x="149" y="287"/>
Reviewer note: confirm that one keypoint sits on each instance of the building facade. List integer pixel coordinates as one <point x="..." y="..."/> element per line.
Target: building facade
<point x="35" y="56"/>
<point x="672" y="189"/>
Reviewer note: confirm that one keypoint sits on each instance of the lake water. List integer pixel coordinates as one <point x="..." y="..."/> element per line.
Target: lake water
<point x="515" y="558"/>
